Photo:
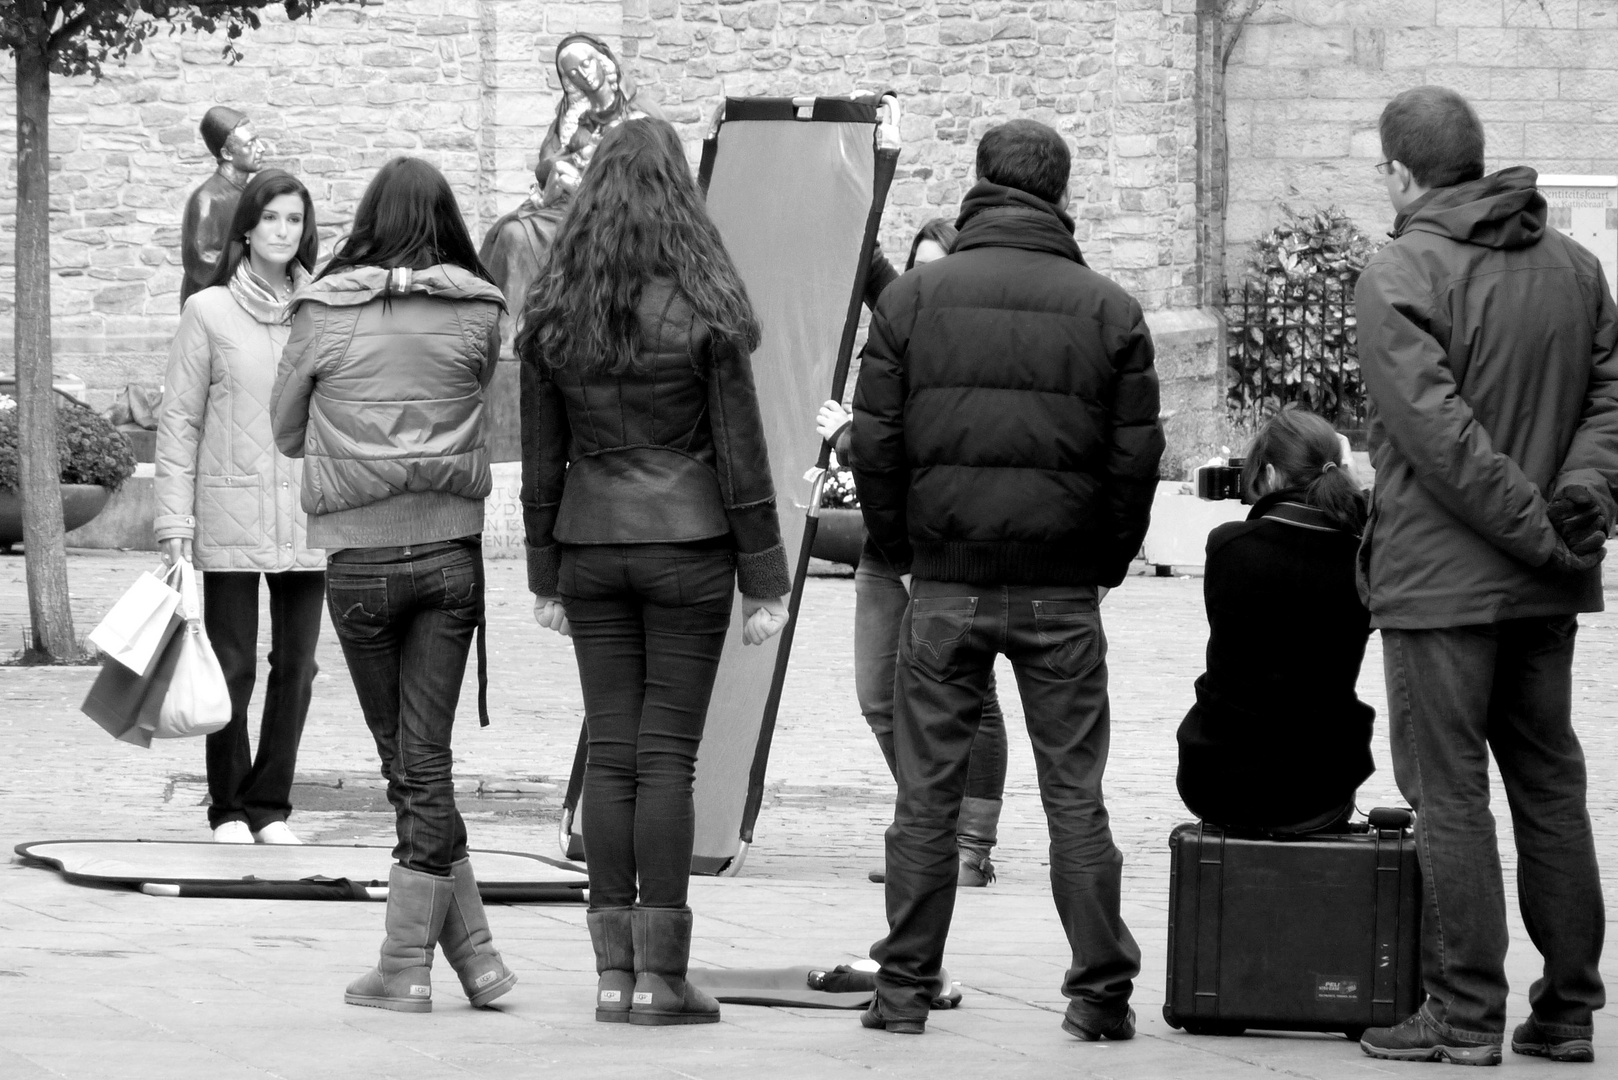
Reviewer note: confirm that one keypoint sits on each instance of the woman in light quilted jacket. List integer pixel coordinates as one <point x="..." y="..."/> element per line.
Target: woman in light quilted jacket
<point x="381" y="393"/>
<point x="227" y="499"/>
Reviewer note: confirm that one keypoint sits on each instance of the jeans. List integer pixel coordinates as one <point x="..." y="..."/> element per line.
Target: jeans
<point x="1453" y="696"/>
<point x="879" y="608"/>
<point x="242" y="786"/>
<point x="649" y="623"/>
<point x="1053" y="637"/>
<point x="405" y="618"/>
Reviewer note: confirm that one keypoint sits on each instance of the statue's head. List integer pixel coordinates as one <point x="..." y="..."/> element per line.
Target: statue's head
<point x="231" y="138"/>
<point x="586" y="70"/>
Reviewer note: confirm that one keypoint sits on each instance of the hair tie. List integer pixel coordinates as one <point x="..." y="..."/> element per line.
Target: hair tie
<point x="1328" y="467"/>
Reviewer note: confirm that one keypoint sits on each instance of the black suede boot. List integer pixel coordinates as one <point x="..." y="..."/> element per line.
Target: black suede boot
<point x="402" y="979"/>
<point x="613" y="938"/>
<point x="467" y="943"/>
<point x="662" y="939"/>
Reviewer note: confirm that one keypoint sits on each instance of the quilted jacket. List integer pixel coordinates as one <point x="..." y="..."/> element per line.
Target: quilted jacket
<point x="220" y="480"/>
<point x="381" y="392"/>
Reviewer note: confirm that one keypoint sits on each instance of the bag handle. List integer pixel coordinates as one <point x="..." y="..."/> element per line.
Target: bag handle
<point x="190" y="604"/>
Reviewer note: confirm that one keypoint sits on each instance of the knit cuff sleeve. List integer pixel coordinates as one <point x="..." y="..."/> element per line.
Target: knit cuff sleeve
<point x="763" y="574"/>
<point x="543" y="565"/>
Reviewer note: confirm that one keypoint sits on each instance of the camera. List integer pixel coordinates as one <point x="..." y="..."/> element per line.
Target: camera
<point x="1221" y="481"/>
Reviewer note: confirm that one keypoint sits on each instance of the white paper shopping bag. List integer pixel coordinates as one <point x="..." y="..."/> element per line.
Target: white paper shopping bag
<point x="137" y="626"/>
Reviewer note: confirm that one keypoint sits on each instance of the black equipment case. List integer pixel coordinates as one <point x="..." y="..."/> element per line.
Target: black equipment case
<point x="1315" y="933"/>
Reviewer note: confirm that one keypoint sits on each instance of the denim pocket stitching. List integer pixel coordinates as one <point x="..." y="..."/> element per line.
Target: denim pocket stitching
<point x="359" y="590"/>
<point x="450" y="573"/>
<point x="1064" y="649"/>
<point x="941" y="649"/>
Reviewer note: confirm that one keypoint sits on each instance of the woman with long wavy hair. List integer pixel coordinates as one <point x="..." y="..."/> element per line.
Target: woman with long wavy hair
<point x="381" y="393"/>
<point x="648" y="499"/>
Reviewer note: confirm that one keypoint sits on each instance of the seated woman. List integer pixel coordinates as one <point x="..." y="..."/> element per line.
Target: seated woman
<point x="1277" y="741"/>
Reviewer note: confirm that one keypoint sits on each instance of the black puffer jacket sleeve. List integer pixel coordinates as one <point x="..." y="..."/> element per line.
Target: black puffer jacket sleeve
<point x="1136" y="445"/>
<point x="743" y="463"/>
<point x="545" y="438"/>
<point x="881" y="471"/>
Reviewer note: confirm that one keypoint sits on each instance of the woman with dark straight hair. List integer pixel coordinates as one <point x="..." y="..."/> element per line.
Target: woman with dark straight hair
<point x="1278" y="742"/>
<point x="648" y="499"/>
<point x="381" y="391"/>
<point x="228" y="500"/>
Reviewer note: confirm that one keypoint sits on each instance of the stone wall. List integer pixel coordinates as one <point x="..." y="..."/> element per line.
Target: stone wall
<point x="1309" y="78"/>
<point x="471" y="87"/>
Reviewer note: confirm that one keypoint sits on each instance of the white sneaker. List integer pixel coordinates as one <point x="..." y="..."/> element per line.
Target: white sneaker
<point x="232" y="832"/>
<point x="276" y="832"/>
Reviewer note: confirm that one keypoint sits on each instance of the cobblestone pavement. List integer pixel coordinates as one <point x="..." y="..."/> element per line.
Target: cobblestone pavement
<point x="91" y="980"/>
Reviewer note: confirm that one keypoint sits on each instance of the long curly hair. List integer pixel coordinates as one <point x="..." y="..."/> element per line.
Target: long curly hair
<point x="637" y="215"/>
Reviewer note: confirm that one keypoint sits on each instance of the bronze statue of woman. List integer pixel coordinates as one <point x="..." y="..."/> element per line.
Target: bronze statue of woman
<point x="597" y="94"/>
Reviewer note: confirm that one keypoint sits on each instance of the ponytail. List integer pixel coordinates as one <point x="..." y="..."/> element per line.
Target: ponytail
<point x="1305" y="450"/>
<point x="1336" y="493"/>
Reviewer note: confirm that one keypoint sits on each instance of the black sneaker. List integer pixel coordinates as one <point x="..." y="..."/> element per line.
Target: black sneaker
<point x="873" y="1018"/>
<point x="1117" y="1028"/>
<point x="1530" y="1038"/>
<point x="1415" y="1040"/>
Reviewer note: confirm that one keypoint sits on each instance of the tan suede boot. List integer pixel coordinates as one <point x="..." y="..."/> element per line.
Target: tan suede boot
<point x="467" y="943"/>
<point x="613" y="938"/>
<point x="662" y="939"/>
<point x="402" y="979"/>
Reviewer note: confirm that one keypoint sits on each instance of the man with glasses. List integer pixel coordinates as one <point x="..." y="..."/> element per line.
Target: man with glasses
<point x="1487" y="343"/>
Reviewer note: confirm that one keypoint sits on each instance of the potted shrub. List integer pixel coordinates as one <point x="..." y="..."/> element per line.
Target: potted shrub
<point x="96" y="460"/>
<point x="841" y="533"/>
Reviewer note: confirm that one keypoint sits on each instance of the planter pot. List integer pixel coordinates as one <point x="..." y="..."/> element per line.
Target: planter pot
<point x="80" y="503"/>
<point x="840" y="536"/>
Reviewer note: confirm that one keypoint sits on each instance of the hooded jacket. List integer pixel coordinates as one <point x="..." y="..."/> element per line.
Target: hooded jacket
<point x="1005" y="420"/>
<point x="673" y="452"/>
<point x="221" y="483"/>
<point x="1487" y="345"/>
<point x="381" y="392"/>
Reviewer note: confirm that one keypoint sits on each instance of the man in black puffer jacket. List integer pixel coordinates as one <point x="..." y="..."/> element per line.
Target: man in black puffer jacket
<point x="1006" y="442"/>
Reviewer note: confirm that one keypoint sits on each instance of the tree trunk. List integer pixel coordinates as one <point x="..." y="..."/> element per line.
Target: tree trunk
<point x="44" y="545"/>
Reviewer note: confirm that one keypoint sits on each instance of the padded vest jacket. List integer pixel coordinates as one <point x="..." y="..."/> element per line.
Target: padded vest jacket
<point x="220" y="480"/>
<point x="671" y="453"/>
<point x="1006" y="419"/>
<point x="381" y="386"/>
<point x="1487" y="343"/>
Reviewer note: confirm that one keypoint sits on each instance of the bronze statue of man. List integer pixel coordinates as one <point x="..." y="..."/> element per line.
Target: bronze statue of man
<point x="239" y="152"/>
<point x="597" y="94"/>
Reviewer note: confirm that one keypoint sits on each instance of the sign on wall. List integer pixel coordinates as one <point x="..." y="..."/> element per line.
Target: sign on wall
<point x="1586" y="209"/>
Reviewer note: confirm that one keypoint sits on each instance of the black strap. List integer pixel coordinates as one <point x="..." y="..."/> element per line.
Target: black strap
<point x="483" y="634"/>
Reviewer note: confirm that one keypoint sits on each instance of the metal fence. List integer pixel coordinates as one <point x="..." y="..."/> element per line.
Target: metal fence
<point x="1293" y="341"/>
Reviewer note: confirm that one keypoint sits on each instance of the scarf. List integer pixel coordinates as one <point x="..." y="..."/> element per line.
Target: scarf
<point x="256" y="297"/>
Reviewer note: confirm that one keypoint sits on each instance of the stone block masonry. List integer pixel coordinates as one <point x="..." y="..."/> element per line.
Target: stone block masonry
<point x="1309" y="78"/>
<point x="471" y="87"/>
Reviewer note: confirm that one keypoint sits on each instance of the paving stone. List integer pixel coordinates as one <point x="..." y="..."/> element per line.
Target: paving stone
<point x="97" y="982"/>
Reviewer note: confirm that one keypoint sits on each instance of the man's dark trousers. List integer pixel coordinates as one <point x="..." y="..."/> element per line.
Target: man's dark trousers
<point x="1052" y="635"/>
<point x="1453" y="695"/>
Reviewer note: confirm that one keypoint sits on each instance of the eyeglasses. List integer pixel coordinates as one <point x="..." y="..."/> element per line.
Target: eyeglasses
<point x="1385" y="167"/>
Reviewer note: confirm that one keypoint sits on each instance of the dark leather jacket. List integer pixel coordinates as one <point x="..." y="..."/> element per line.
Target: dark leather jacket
<point x="673" y="453"/>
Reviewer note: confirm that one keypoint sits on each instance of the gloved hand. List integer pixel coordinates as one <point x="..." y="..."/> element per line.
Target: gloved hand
<point x="1567" y="561"/>
<point x="1578" y="519"/>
